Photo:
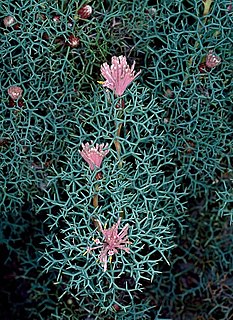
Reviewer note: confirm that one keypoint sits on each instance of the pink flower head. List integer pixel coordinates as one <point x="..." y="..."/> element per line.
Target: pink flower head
<point x="112" y="242"/>
<point x="15" y="92"/>
<point x="94" y="155"/>
<point x="212" y="60"/>
<point x="119" y="75"/>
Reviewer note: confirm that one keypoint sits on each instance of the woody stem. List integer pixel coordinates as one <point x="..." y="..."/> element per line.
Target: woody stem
<point x="95" y="200"/>
<point x="96" y="197"/>
<point x="117" y="143"/>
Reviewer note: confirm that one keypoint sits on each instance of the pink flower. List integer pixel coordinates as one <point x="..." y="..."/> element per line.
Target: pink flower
<point x="94" y="155"/>
<point x="112" y="242"/>
<point x="119" y="75"/>
<point x="15" y="92"/>
<point x="212" y="60"/>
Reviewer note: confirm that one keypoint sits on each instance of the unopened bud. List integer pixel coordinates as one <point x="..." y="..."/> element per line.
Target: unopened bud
<point x="73" y="41"/>
<point x="8" y="21"/>
<point x="169" y="93"/>
<point x="99" y="176"/>
<point x="85" y="11"/>
<point x="229" y="8"/>
<point x="15" y="92"/>
<point x="212" y="60"/>
<point x="56" y="18"/>
<point x="116" y="307"/>
<point x="202" y="67"/>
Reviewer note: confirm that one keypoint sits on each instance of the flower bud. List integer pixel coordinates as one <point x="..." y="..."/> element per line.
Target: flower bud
<point x="73" y="41"/>
<point x="57" y="18"/>
<point x="15" y="92"/>
<point x="45" y="36"/>
<point x="212" y="60"/>
<point x="99" y="176"/>
<point x="116" y="307"/>
<point x="8" y="21"/>
<point x="202" y="67"/>
<point x="85" y="11"/>
<point x="229" y="8"/>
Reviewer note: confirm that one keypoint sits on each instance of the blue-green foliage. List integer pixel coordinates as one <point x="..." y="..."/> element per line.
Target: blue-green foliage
<point x="139" y="192"/>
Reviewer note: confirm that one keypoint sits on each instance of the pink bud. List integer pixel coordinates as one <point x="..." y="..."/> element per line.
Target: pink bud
<point x="202" y="67"/>
<point x="73" y="41"/>
<point x="15" y="92"/>
<point x="85" y="11"/>
<point x="8" y="21"/>
<point x="229" y="8"/>
<point x="212" y="60"/>
<point x="56" y="18"/>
